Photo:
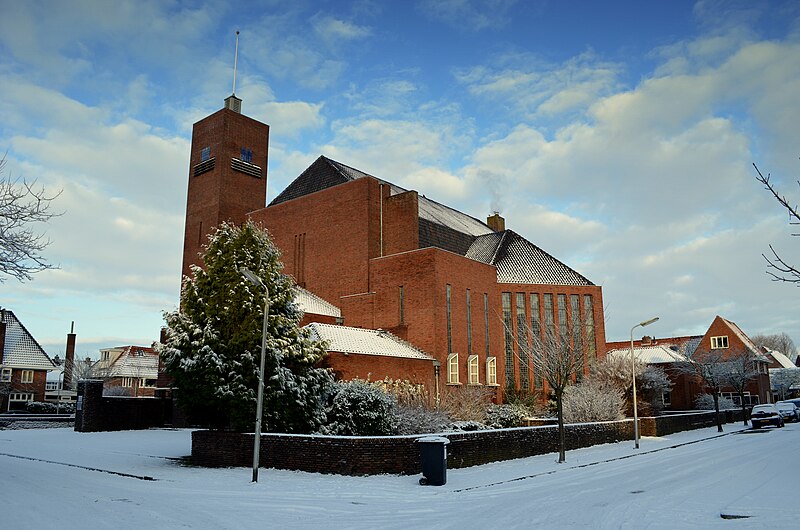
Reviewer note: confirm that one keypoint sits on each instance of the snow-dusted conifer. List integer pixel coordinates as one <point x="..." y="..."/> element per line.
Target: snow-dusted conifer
<point x="213" y="343"/>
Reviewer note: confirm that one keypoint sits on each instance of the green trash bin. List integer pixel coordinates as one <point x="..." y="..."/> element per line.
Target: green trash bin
<point x="433" y="456"/>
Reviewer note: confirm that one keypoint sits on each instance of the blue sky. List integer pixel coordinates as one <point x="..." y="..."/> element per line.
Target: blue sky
<point x="618" y="136"/>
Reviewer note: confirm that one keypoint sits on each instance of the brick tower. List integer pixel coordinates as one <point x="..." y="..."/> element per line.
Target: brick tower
<point x="227" y="174"/>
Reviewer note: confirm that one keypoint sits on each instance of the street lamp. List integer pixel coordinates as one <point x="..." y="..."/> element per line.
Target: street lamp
<point x="633" y="376"/>
<point x="255" y="280"/>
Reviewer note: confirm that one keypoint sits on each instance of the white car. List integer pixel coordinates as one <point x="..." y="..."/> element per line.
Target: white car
<point x="788" y="410"/>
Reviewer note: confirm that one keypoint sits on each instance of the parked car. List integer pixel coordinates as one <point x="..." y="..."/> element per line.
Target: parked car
<point x="765" y="415"/>
<point x="788" y="410"/>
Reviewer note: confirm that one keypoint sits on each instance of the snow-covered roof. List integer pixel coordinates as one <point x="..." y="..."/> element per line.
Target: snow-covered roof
<point x="781" y="359"/>
<point x="134" y="361"/>
<point x="20" y="349"/>
<point x="657" y="354"/>
<point x="308" y="302"/>
<point x="345" y="339"/>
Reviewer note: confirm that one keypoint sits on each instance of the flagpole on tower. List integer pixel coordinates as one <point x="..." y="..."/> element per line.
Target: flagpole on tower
<point x="235" y="60"/>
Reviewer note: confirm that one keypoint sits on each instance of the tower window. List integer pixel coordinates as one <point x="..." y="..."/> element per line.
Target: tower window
<point x="205" y="154"/>
<point x="246" y="155"/>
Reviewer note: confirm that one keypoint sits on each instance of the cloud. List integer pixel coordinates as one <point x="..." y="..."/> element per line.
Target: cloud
<point x="332" y="30"/>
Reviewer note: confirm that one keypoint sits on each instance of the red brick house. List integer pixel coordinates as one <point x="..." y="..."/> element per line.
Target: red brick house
<point x="129" y="370"/>
<point x="722" y="343"/>
<point x="390" y="258"/>
<point x="23" y="364"/>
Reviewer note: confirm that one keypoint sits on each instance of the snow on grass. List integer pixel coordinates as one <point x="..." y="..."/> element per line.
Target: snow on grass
<point x="685" y="480"/>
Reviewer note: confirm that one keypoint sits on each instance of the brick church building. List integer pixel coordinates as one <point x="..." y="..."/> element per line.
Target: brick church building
<point x="451" y="287"/>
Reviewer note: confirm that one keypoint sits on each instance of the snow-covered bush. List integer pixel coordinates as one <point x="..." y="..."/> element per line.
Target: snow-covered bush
<point x="466" y="426"/>
<point x="593" y="400"/>
<point x="41" y="407"/>
<point x="706" y="402"/>
<point x="357" y="408"/>
<point x="504" y="416"/>
<point x="466" y="404"/>
<point x="421" y="420"/>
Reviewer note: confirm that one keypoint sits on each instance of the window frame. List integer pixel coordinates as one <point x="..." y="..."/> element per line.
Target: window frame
<point x="719" y="342"/>
<point x="491" y="371"/>
<point x="5" y="375"/>
<point x="26" y="377"/>
<point x="452" y="369"/>
<point x="473" y="370"/>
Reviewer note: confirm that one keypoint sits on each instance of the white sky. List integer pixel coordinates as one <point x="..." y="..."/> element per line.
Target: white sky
<point x="668" y="483"/>
<point x="618" y="136"/>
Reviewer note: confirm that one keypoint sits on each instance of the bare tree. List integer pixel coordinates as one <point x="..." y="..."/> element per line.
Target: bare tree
<point x="22" y="204"/>
<point x="777" y="267"/>
<point x="652" y="382"/>
<point x="778" y="341"/>
<point x="741" y="367"/>
<point x="710" y="368"/>
<point x="782" y="379"/>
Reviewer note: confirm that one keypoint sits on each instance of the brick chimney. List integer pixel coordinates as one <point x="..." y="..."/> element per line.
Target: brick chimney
<point x="69" y="357"/>
<point x="647" y="340"/>
<point x="496" y="222"/>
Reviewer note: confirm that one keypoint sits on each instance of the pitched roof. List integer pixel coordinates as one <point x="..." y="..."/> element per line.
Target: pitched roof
<point x="519" y="261"/>
<point x="134" y="361"/>
<point x="308" y="302"/>
<point x="345" y="339"/>
<point x="20" y="349"/>
<point x="657" y="354"/>
<point x="780" y="358"/>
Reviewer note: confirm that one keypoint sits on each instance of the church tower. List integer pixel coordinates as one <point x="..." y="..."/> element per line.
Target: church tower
<point x="227" y="174"/>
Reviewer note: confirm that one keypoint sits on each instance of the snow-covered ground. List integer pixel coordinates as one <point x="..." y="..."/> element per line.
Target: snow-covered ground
<point x="57" y="478"/>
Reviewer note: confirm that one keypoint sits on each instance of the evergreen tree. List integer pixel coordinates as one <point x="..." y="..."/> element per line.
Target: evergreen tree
<point x="213" y="343"/>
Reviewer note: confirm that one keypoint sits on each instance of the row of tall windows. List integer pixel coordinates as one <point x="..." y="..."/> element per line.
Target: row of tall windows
<point x="566" y="312"/>
<point x="473" y="370"/>
<point x="473" y="362"/>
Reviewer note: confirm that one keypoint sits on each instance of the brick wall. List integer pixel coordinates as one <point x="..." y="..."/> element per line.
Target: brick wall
<point x="95" y="412"/>
<point x="400" y="454"/>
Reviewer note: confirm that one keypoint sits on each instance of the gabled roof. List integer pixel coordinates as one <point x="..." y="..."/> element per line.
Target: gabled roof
<point x="308" y="302"/>
<point x="133" y="361"/>
<point x="519" y="261"/>
<point x="345" y="339"/>
<point x="782" y="360"/>
<point x="742" y="336"/>
<point x="20" y="348"/>
<point x="658" y="354"/>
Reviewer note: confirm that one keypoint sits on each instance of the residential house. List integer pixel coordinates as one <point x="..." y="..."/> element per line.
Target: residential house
<point x="784" y="375"/>
<point x="464" y="291"/>
<point x="23" y="364"/>
<point x="723" y="343"/>
<point x="128" y="370"/>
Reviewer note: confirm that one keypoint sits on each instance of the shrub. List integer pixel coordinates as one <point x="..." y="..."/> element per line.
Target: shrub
<point x="467" y="426"/>
<point x="466" y="404"/>
<point x="421" y="420"/>
<point x="706" y="402"/>
<point x="504" y="416"/>
<point x="405" y="392"/>
<point x="593" y="400"/>
<point x="358" y="408"/>
<point x="40" y="407"/>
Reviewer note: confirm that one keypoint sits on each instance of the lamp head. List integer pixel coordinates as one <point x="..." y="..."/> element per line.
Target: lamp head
<point x="648" y="322"/>
<point x="252" y="278"/>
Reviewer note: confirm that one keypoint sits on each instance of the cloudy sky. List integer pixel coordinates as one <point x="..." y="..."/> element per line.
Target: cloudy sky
<point x="618" y="136"/>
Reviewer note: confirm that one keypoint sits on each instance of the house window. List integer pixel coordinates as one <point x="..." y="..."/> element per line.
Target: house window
<point x="5" y="375"/>
<point x="51" y="385"/>
<point x="246" y="155"/>
<point x="449" y="322"/>
<point x="472" y="370"/>
<point x="491" y="371"/>
<point x="452" y="369"/>
<point x="147" y="383"/>
<point x="20" y="396"/>
<point x="127" y="382"/>
<point x="205" y="154"/>
<point x="719" y="342"/>
<point x="26" y="377"/>
<point x="104" y="356"/>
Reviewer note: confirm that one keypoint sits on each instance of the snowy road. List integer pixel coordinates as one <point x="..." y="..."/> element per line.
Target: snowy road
<point x="56" y="478"/>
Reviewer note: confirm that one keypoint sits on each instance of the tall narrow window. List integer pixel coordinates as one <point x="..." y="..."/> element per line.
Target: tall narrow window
<point x="246" y="155"/>
<point x="473" y="374"/>
<point x="449" y="323"/>
<point x="402" y="305"/>
<point x="205" y="154"/>
<point x="26" y="376"/>
<point x="548" y="315"/>
<point x="508" y="324"/>
<point x="536" y="332"/>
<point x="452" y="369"/>
<point x="486" y="320"/>
<point x="562" y="315"/>
<point x="522" y="341"/>
<point x="491" y="371"/>
<point x="588" y="314"/>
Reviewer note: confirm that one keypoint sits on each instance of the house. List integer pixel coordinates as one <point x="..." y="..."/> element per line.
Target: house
<point x="128" y="370"/>
<point x="465" y="291"/>
<point x="784" y="375"/>
<point x="23" y="364"/>
<point x="723" y="344"/>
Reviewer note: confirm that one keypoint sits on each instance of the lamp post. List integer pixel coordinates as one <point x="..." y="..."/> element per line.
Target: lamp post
<point x="633" y="377"/>
<point x="255" y="280"/>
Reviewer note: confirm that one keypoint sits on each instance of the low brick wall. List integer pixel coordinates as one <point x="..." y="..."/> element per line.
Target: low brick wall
<point x="17" y="421"/>
<point x="95" y="412"/>
<point x="368" y="455"/>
